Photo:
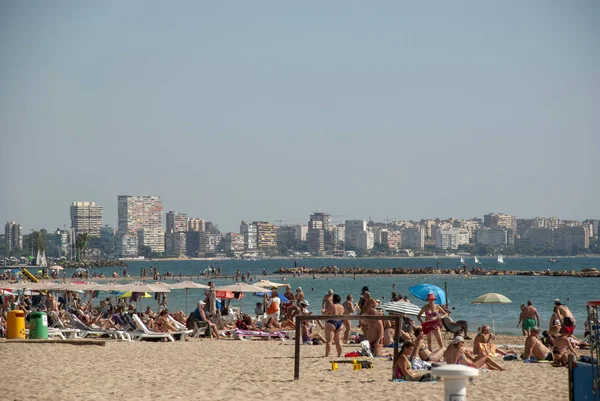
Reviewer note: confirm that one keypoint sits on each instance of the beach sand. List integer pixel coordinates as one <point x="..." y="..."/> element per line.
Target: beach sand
<point x="207" y="369"/>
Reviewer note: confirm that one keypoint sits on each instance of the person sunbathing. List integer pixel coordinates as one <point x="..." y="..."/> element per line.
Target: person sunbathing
<point x="485" y="346"/>
<point x="308" y="336"/>
<point x="424" y="353"/>
<point x="534" y="347"/>
<point x="162" y="323"/>
<point x="563" y="347"/>
<point x="180" y="316"/>
<point x="403" y="370"/>
<point x="245" y="323"/>
<point x="456" y="354"/>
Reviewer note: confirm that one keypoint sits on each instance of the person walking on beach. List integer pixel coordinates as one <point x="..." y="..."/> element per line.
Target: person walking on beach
<point x="333" y="327"/>
<point x="349" y="309"/>
<point x="531" y="318"/>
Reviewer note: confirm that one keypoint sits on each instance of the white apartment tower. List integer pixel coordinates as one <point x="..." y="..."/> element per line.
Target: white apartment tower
<point x="13" y="234"/>
<point x="142" y="215"/>
<point x="86" y="217"/>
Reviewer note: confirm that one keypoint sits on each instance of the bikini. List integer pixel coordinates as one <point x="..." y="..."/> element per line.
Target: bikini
<point x="336" y="323"/>
<point x="430" y="325"/>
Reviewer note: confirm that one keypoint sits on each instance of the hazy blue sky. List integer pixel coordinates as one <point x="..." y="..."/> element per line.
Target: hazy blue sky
<point x="268" y="110"/>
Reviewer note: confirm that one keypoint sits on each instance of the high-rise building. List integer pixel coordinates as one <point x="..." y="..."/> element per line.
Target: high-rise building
<point x="86" y="217"/>
<point x="493" y="237"/>
<point x="143" y="215"/>
<point x="177" y="222"/>
<point x="414" y="238"/>
<point x="13" y="235"/>
<point x="315" y="241"/>
<point x="266" y="235"/>
<point x="127" y="245"/>
<point x="319" y="220"/>
<point x="176" y="243"/>
<point x="107" y="240"/>
<point x="452" y="238"/>
<point x="196" y="224"/>
<point x="233" y="242"/>
<point x="358" y="235"/>
<point x="249" y="232"/>
<point x="499" y="220"/>
<point x="393" y="239"/>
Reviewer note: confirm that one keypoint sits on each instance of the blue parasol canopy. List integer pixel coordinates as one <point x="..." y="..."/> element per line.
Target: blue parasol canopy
<point x="422" y="290"/>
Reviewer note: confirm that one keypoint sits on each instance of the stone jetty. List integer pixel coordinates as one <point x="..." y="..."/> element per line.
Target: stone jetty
<point x="88" y="264"/>
<point x="587" y="272"/>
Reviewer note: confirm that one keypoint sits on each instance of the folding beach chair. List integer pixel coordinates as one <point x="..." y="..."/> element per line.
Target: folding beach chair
<point x="451" y="329"/>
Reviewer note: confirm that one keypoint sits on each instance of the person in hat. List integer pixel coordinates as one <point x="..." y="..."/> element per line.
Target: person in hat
<point x="433" y="320"/>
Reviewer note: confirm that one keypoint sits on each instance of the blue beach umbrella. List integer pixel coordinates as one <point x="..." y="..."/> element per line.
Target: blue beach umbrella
<point x="422" y="290"/>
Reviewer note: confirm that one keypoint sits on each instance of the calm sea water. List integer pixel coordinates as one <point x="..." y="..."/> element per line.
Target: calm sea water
<point x="572" y="291"/>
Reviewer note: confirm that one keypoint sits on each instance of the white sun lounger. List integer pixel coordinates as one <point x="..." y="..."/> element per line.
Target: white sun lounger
<point x="146" y="333"/>
<point x="86" y="331"/>
<point x="183" y="330"/>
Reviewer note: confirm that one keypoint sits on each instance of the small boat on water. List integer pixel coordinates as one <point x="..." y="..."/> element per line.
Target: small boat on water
<point x="501" y="259"/>
<point x="553" y="260"/>
<point x="477" y="260"/>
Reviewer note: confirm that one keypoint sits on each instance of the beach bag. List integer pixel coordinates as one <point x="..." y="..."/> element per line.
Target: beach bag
<point x="427" y="378"/>
<point x="273" y="308"/>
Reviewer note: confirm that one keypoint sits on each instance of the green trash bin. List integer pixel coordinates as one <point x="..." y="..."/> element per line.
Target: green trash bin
<point x="38" y="326"/>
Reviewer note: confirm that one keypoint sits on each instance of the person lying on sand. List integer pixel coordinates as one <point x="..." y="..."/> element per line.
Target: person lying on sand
<point x="456" y="354"/>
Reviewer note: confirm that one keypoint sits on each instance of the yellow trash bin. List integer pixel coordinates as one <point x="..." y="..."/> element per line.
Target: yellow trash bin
<point x="15" y="324"/>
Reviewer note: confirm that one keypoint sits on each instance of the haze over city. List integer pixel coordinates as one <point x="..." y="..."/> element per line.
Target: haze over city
<point x="270" y="111"/>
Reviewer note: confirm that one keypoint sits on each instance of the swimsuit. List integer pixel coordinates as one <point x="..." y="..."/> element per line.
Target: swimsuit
<point x="430" y="325"/>
<point x="336" y="323"/>
<point x="529" y="323"/>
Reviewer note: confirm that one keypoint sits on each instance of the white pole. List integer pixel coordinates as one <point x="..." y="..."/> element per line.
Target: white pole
<point x="455" y="380"/>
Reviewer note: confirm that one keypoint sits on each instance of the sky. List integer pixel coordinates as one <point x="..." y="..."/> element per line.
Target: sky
<point x="271" y="110"/>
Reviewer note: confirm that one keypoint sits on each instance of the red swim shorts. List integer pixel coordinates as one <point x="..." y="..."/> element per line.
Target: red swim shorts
<point x="430" y="325"/>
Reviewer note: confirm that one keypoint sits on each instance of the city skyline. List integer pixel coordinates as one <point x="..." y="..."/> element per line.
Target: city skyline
<point x="269" y="111"/>
<point x="162" y="221"/>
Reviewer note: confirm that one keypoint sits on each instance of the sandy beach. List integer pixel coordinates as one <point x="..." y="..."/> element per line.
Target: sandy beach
<point x="203" y="369"/>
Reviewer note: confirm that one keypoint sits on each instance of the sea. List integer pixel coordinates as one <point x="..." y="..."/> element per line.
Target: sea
<point x="542" y="290"/>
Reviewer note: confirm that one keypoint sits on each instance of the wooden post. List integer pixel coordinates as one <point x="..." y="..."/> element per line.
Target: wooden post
<point x="299" y="321"/>
<point x="396" y="340"/>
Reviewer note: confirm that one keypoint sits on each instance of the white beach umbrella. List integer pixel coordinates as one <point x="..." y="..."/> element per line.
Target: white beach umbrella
<point x="400" y="307"/>
<point x="187" y="285"/>
<point x="143" y="287"/>
<point x="491" y="298"/>
<point x="56" y="267"/>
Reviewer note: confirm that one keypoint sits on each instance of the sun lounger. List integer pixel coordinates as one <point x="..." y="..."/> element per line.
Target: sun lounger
<point x="86" y="331"/>
<point x="145" y="333"/>
<point x="201" y="329"/>
<point x="59" y="326"/>
<point x="183" y="331"/>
